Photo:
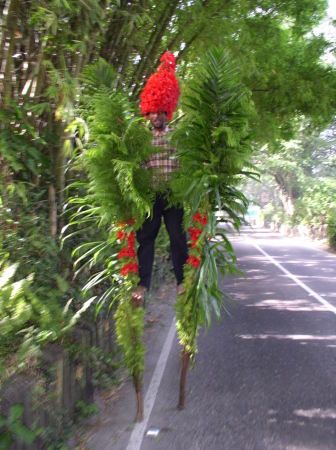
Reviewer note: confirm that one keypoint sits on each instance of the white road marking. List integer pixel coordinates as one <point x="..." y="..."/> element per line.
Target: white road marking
<point x="139" y="428"/>
<point x="320" y="299"/>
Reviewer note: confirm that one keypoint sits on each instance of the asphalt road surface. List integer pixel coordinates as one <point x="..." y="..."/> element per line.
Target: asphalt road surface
<point x="265" y="376"/>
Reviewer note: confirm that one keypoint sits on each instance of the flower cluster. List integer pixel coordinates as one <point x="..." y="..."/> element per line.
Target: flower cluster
<point x="194" y="261"/>
<point x="130" y="267"/>
<point x="200" y="220"/>
<point x="194" y="235"/>
<point x="128" y="252"/>
<point x="162" y="90"/>
<point x="129" y="222"/>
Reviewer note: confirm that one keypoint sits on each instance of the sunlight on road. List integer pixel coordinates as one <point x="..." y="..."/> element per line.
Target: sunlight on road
<point x="316" y="413"/>
<point x="293" y="337"/>
<point x="289" y="305"/>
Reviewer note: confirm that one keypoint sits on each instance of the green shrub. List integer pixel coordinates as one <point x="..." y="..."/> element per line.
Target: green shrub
<point x="332" y="232"/>
<point x="11" y="427"/>
<point x="28" y="321"/>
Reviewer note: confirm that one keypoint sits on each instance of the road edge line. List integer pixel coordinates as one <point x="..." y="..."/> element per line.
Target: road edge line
<point x="300" y="283"/>
<point x="138" y="432"/>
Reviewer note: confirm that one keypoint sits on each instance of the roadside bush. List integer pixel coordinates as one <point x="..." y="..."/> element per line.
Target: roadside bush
<point x="332" y="232"/>
<point x="272" y="214"/>
<point x="26" y="322"/>
<point x="315" y="208"/>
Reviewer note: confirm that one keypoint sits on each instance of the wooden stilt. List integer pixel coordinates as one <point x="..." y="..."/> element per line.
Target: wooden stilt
<point x="138" y="391"/>
<point x="185" y="365"/>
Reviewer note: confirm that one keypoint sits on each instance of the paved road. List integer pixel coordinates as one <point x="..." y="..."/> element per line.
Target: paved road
<point x="265" y="378"/>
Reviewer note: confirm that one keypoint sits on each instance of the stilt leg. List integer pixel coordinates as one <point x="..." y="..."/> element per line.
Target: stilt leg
<point x="185" y="365"/>
<point x="138" y="390"/>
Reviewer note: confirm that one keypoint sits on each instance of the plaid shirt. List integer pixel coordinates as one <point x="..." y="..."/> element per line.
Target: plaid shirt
<point x="163" y="163"/>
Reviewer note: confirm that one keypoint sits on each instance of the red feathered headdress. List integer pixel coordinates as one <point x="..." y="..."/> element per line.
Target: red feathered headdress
<point x="161" y="91"/>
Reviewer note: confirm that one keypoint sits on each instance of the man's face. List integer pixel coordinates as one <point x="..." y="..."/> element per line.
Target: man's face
<point x="158" y="120"/>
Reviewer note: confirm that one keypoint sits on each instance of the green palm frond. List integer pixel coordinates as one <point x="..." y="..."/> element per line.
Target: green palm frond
<point x="119" y="143"/>
<point x="117" y="188"/>
<point x="213" y="137"/>
<point x="213" y="142"/>
<point x="98" y="75"/>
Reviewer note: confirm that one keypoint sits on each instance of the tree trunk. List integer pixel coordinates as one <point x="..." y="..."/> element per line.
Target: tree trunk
<point x="287" y="201"/>
<point x="286" y="195"/>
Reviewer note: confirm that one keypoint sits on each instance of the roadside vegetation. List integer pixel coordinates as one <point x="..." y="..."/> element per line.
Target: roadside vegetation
<point x="51" y="55"/>
<point x="297" y="188"/>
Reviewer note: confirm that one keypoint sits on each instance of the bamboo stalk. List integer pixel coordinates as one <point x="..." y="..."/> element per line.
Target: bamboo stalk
<point x="185" y="365"/>
<point x="11" y="27"/>
<point x="191" y="40"/>
<point x="152" y="56"/>
<point x="154" y="38"/>
<point x="113" y="34"/>
<point x="52" y="210"/>
<point x="182" y="26"/>
<point x="4" y="25"/>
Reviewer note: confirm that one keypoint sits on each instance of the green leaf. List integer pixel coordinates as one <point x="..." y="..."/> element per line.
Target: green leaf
<point x="20" y="430"/>
<point x="7" y="274"/>
<point x="5" y="440"/>
<point x="16" y="412"/>
<point x="3" y="421"/>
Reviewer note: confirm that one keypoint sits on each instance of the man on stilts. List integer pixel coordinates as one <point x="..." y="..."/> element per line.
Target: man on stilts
<point x="158" y="102"/>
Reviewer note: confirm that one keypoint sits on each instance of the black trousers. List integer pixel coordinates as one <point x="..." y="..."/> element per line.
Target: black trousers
<point x="147" y="234"/>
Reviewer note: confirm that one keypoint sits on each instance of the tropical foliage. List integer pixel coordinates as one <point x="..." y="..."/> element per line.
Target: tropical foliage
<point x="215" y="147"/>
<point x="117" y="198"/>
<point x="49" y="63"/>
<point x="298" y="183"/>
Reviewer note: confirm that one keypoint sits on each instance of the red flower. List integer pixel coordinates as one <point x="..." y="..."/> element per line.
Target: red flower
<point x="130" y="237"/>
<point x="127" y="253"/>
<point x="194" y="261"/>
<point x="201" y="219"/>
<point x="196" y="217"/>
<point x="130" y="267"/>
<point x="121" y="254"/>
<point x="194" y="233"/>
<point x="124" y="270"/>
<point x="135" y="267"/>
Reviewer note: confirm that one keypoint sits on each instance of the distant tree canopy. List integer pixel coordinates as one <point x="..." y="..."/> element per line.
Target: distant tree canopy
<point x="47" y="43"/>
<point x="298" y="183"/>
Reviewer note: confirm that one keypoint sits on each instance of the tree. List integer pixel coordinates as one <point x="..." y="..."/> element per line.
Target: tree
<point x="302" y="172"/>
